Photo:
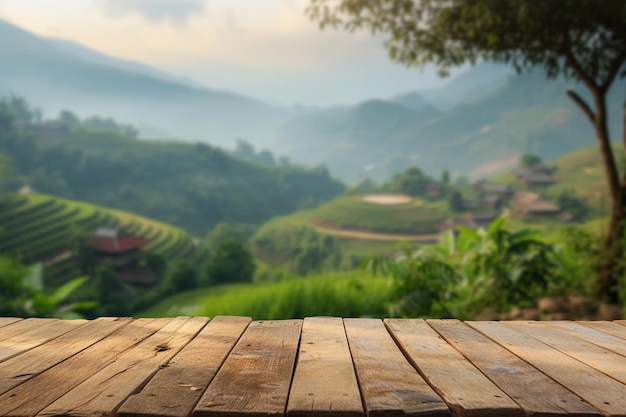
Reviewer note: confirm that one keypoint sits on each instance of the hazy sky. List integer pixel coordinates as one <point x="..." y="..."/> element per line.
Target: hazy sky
<point x="264" y="48"/>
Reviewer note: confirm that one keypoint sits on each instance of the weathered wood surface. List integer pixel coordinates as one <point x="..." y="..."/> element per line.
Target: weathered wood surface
<point x="232" y="366"/>
<point x="324" y="380"/>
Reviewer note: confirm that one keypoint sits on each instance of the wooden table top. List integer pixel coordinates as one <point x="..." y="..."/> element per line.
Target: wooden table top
<point x="319" y="366"/>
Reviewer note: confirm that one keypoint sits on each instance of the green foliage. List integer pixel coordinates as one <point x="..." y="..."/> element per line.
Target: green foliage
<point x="22" y="293"/>
<point x="411" y="182"/>
<point x="114" y="296"/>
<point x="230" y="262"/>
<point x="424" y="282"/>
<point x="181" y="276"/>
<point x="483" y="270"/>
<point x="5" y="167"/>
<point x="525" y="35"/>
<point x="506" y="268"/>
<point x="300" y="250"/>
<point x="223" y="232"/>
<point x="569" y="202"/>
<point x="349" y="294"/>
<point x="528" y="160"/>
<point x="445" y="177"/>
<point x="455" y="201"/>
<point x="155" y="262"/>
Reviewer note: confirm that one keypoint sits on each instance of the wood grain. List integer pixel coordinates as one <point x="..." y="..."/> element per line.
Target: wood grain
<point x="177" y="387"/>
<point x="599" y="390"/>
<point x="597" y="337"/>
<point x="37" y="393"/>
<point x="389" y="384"/>
<point x="535" y="393"/>
<point x="102" y="393"/>
<point x="463" y="387"/>
<point x="21" y="327"/>
<point x="606" y="327"/>
<point x="34" y="337"/>
<point x="254" y="380"/>
<point x="5" y="321"/>
<point x="595" y="356"/>
<point x="324" y="382"/>
<point x="26" y="366"/>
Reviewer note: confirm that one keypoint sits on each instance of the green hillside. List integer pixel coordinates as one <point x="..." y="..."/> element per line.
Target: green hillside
<point x="43" y="228"/>
<point x="524" y="114"/>
<point x="192" y="186"/>
<point x="414" y="217"/>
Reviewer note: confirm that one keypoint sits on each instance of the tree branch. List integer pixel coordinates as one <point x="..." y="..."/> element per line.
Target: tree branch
<point x="613" y="70"/>
<point x="583" y="106"/>
<point x="571" y="60"/>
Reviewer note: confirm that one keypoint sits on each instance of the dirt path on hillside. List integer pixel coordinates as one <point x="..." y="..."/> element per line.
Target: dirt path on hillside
<point x="359" y="234"/>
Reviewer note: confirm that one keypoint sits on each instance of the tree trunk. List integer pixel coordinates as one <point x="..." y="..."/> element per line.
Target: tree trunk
<point x="611" y="266"/>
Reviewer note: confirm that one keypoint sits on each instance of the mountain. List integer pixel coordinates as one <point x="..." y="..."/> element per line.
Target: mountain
<point x="524" y="113"/>
<point x="87" y="54"/>
<point x="55" y="75"/>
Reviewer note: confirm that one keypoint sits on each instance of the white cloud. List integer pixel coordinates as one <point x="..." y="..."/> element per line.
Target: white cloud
<point x="175" y="11"/>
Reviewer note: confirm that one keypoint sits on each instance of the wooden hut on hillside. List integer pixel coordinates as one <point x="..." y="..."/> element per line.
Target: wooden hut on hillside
<point x="123" y="251"/>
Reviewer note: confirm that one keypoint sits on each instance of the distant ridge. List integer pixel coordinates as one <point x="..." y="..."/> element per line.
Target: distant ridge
<point x="55" y="75"/>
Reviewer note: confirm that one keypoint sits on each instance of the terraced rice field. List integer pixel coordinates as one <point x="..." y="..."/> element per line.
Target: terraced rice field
<point x="412" y="217"/>
<point x="40" y="228"/>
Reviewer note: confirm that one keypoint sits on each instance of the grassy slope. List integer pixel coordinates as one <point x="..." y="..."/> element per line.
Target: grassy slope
<point x="415" y="217"/>
<point x="349" y="294"/>
<point x="40" y="227"/>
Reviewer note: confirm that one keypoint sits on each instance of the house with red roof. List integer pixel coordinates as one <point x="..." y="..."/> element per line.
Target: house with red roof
<point x="123" y="251"/>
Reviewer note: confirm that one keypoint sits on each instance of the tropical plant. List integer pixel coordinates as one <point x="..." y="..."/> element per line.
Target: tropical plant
<point x="424" y="281"/>
<point x="22" y="293"/>
<point x="505" y="268"/>
<point x="489" y="269"/>
<point x="582" y="39"/>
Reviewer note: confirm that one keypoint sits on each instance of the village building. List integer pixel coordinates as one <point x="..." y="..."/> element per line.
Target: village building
<point x="434" y="190"/>
<point x="535" y="176"/>
<point x="486" y="187"/>
<point x="532" y="204"/>
<point x="123" y="251"/>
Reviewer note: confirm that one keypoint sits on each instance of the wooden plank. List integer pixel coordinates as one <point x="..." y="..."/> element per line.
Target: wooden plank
<point x="531" y="389"/>
<point x="463" y="387"/>
<point x="37" y="393"/>
<point x="24" y="367"/>
<point x="177" y="387"/>
<point x="324" y="382"/>
<point x="254" y="380"/>
<point x="606" y="327"/>
<point x="601" y="359"/>
<point x="102" y="393"/>
<point x="36" y="336"/>
<point x="597" y="337"/>
<point x="5" y="321"/>
<point x="21" y="327"/>
<point x="389" y="384"/>
<point x="601" y="391"/>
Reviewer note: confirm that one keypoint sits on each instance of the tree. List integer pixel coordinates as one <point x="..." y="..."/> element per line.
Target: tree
<point x="529" y="160"/>
<point x="583" y="39"/>
<point x="455" y="201"/>
<point x="230" y="262"/>
<point x="181" y="276"/>
<point x="445" y="177"/>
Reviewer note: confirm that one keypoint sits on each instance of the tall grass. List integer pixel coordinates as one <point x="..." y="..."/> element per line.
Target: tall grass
<point x="353" y="294"/>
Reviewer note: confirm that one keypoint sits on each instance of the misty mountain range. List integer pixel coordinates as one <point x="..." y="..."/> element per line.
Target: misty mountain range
<point x="485" y="114"/>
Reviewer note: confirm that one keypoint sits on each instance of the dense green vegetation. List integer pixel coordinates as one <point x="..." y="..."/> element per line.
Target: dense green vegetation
<point x="350" y="294"/>
<point x="193" y="186"/>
